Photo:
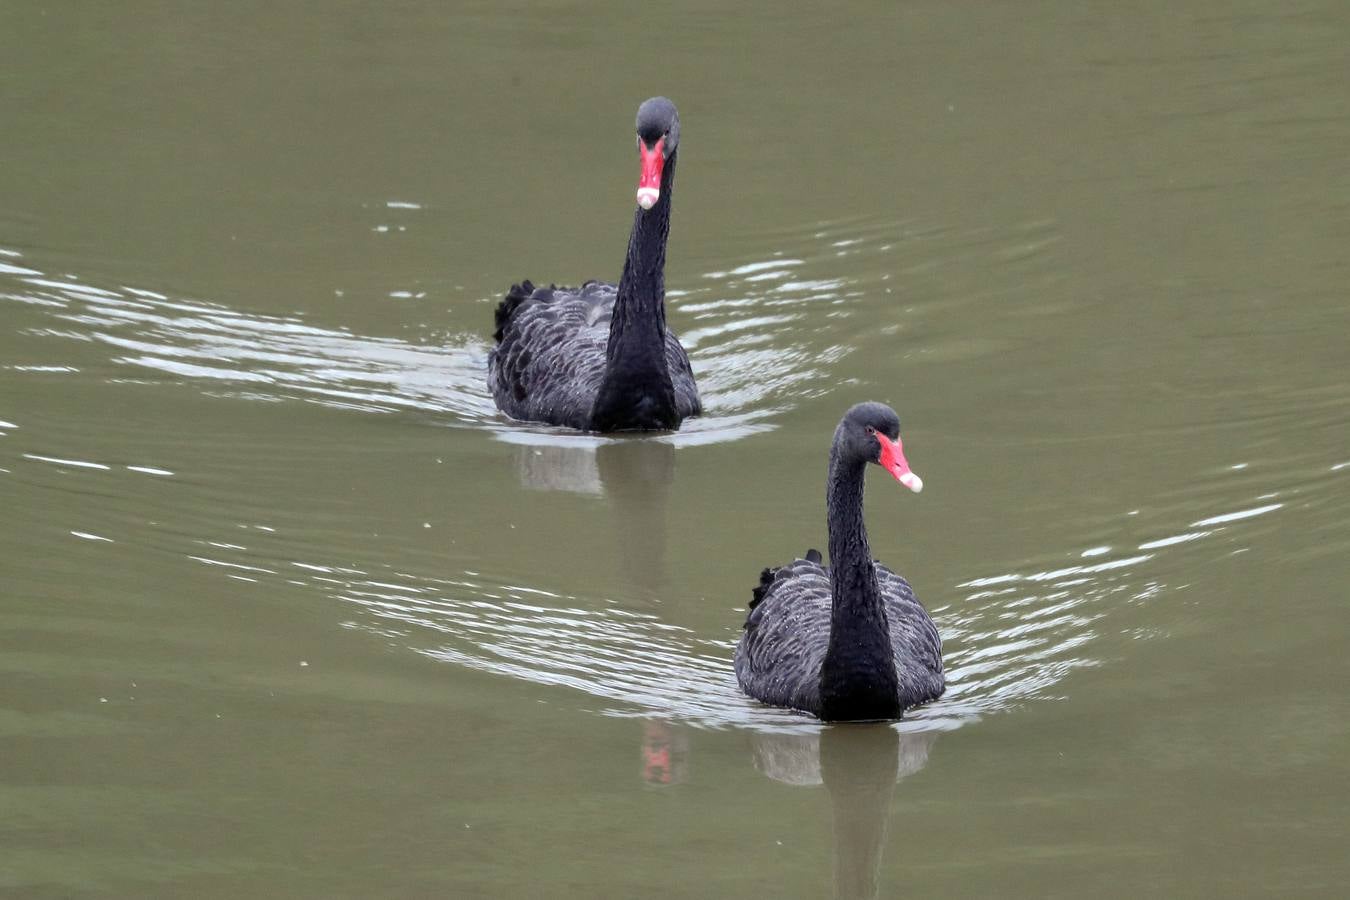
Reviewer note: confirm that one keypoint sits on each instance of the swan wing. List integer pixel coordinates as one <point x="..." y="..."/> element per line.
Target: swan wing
<point x="687" y="402"/>
<point x="550" y="353"/>
<point x="786" y="633"/>
<point x="914" y="639"/>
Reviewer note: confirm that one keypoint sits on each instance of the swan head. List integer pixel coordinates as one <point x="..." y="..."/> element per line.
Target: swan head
<point x="658" y="136"/>
<point x="871" y="432"/>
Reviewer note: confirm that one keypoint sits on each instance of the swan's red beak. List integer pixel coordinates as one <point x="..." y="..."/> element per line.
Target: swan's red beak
<point x="649" y="183"/>
<point x="893" y="461"/>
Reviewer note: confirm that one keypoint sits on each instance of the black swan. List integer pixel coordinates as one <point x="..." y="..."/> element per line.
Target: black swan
<point x="847" y="642"/>
<point x="600" y="357"/>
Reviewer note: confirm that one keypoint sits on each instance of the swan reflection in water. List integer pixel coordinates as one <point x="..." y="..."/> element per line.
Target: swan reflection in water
<point x="665" y="753"/>
<point x="859" y="765"/>
<point x="633" y="475"/>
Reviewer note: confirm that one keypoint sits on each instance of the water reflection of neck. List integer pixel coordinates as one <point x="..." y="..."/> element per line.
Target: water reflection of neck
<point x="858" y="764"/>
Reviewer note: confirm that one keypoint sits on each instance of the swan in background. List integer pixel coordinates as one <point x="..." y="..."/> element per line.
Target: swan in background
<point x="599" y="357"/>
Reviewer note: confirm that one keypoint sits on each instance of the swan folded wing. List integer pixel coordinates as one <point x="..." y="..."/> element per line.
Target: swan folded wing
<point x="687" y="402"/>
<point x="914" y="640"/>
<point x="550" y="353"/>
<point x="786" y="633"/>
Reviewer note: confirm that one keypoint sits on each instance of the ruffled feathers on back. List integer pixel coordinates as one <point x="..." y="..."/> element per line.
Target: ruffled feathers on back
<point x="787" y="632"/>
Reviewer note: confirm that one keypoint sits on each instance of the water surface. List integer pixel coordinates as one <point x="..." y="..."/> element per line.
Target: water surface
<point x="289" y="609"/>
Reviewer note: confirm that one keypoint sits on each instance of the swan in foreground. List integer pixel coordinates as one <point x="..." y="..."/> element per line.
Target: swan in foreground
<point x="848" y="641"/>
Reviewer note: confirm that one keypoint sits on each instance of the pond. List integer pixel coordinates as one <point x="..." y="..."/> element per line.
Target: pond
<point x="289" y="609"/>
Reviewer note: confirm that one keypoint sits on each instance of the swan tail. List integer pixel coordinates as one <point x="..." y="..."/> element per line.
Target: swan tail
<point x="757" y="594"/>
<point x="770" y="575"/>
<point x="518" y="294"/>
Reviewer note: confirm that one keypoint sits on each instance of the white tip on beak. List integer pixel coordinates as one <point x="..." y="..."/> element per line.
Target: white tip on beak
<point x="912" y="481"/>
<point x="647" y="197"/>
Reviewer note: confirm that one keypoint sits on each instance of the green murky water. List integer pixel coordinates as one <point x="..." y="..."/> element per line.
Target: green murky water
<point x="286" y="608"/>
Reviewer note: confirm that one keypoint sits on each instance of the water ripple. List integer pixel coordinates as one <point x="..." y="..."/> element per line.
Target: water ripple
<point x="1019" y="633"/>
<point x="751" y="348"/>
<point x="1009" y="641"/>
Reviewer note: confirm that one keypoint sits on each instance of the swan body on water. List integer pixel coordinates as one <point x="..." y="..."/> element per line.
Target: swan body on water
<point x="600" y="357"/>
<point x="848" y="641"/>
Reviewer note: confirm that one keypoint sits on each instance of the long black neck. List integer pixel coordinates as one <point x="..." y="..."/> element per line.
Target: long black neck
<point x="636" y="391"/>
<point x="858" y="678"/>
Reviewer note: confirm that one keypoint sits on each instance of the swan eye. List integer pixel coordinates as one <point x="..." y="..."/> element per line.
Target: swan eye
<point x="871" y="430"/>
